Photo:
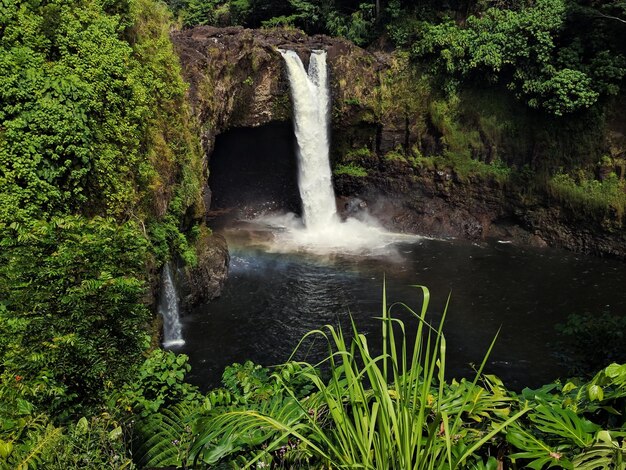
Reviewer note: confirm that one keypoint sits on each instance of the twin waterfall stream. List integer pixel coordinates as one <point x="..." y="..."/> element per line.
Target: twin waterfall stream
<point x="311" y="107"/>
<point x="320" y="229"/>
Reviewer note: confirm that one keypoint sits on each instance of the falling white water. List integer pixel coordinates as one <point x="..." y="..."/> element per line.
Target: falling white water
<point x="320" y="230"/>
<point x="168" y="308"/>
<point x="311" y="106"/>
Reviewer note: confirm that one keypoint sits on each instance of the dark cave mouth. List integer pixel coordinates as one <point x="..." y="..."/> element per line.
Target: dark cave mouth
<point x="253" y="171"/>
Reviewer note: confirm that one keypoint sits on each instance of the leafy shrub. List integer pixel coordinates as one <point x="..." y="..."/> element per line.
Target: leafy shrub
<point x="85" y="323"/>
<point x="159" y="383"/>
<point x="358" y="27"/>
<point x="521" y="47"/>
<point x="589" y="342"/>
<point x="166" y="238"/>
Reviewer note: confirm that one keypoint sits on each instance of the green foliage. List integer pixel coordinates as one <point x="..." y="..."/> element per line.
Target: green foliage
<point x="27" y="438"/>
<point x="355" y="20"/>
<point x="84" y="323"/>
<point x="247" y="381"/>
<point x="523" y="48"/>
<point x="465" y="168"/>
<point x="94" y="123"/>
<point x="160" y="382"/>
<point x="358" y="27"/>
<point x="163" y="439"/>
<point x="389" y="411"/>
<point x="457" y="140"/>
<point x="158" y="402"/>
<point x="591" y="341"/>
<point x="604" y="199"/>
<point x="303" y="14"/>
<point x="30" y="440"/>
<point x="558" y="431"/>
<point x="359" y="154"/>
<point x="166" y="238"/>
<point x="88" y="100"/>
<point x="350" y="170"/>
<point x="72" y="120"/>
<point x="94" y="444"/>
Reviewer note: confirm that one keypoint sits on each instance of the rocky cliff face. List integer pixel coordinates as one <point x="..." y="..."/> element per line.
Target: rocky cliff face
<point x="204" y="281"/>
<point x="237" y="79"/>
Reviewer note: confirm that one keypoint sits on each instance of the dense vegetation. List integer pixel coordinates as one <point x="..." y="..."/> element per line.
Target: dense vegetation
<point x="557" y="55"/>
<point x="98" y="165"/>
<point x="100" y="183"/>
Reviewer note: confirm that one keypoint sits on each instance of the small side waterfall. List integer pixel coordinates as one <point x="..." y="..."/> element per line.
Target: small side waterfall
<point x="168" y="308"/>
<point x="311" y="102"/>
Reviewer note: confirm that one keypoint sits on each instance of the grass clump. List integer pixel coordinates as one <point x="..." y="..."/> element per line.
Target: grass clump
<point x="605" y="198"/>
<point x="362" y="153"/>
<point x="464" y="167"/>
<point x="467" y="167"/>
<point x="393" y="410"/>
<point x="350" y="170"/>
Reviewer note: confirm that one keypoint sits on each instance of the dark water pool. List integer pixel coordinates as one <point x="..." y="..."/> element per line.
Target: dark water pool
<point x="271" y="300"/>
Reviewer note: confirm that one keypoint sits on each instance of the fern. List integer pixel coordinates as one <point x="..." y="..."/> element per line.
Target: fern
<point x="38" y="451"/>
<point x="162" y="439"/>
<point x="228" y="433"/>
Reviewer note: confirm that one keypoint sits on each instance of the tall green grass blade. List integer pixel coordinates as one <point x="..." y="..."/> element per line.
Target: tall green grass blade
<point x="388" y="411"/>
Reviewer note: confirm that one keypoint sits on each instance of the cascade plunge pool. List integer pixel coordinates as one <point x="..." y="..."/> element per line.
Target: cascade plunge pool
<point x="278" y="289"/>
<point x="272" y="299"/>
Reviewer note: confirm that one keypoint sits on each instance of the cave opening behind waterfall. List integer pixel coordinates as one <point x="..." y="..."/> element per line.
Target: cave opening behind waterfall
<point x="254" y="171"/>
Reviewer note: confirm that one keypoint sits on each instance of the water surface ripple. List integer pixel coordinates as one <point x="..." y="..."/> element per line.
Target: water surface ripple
<point x="272" y="299"/>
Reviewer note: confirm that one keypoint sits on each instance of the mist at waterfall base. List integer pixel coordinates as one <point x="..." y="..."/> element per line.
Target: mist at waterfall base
<point x="290" y="275"/>
<point x="319" y="229"/>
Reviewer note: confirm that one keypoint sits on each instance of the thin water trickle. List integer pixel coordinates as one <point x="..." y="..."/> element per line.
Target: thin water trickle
<point x="168" y="308"/>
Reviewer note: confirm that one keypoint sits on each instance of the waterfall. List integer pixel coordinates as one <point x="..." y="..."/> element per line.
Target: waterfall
<point x="168" y="308"/>
<point x="311" y="108"/>
<point x="320" y="230"/>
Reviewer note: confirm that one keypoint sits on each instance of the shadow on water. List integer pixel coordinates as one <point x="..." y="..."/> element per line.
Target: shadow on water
<point x="271" y="300"/>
